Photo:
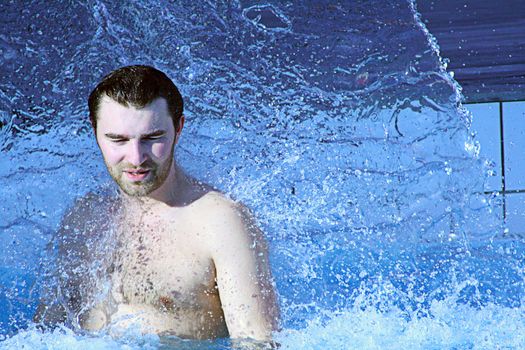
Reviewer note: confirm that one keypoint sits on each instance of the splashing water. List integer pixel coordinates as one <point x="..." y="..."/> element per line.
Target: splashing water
<point x="337" y="124"/>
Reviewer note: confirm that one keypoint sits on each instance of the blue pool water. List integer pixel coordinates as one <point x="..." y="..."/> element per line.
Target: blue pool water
<point x="337" y="123"/>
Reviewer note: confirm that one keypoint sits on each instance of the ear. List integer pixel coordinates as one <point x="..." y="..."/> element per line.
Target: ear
<point x="179" y="128"/>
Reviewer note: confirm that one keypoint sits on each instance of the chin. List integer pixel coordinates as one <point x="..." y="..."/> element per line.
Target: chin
<point x="137" y="192"/>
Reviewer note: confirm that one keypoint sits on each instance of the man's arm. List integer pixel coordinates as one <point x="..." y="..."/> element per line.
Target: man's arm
<point x="64" y="291"/>
<point x="52" y="309"/>
<point x="243" y="276"/>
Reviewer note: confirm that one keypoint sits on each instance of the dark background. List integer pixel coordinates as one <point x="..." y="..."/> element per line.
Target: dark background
<point x="485" y="43"/>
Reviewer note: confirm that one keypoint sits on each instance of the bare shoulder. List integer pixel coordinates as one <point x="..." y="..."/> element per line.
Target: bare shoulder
<point x="92" y="205"/>
<point x="86" y="216"/>
<point x="84" y="222"/>
<point x="217" y="201"/>
<point x="229" y="224"/>
<point x="219" y="209"/>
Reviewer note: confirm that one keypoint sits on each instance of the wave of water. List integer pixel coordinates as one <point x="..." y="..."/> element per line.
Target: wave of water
<point x="338" y="124"/>
<point x="446" y="325"/>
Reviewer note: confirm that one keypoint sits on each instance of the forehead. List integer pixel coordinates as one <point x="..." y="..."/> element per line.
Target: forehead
<point x="116" y="118"/>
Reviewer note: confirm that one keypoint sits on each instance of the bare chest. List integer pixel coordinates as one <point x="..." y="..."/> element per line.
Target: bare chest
<point x="165" y="267"/>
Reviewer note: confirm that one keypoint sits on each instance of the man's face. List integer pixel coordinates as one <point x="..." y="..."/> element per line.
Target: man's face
<point x="137" y="144"/>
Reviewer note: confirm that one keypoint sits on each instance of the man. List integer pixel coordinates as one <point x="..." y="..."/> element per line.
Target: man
<point x="168" y="255"/>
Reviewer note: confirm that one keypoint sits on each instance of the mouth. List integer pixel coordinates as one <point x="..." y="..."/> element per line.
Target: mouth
<point x="137" y="174"/>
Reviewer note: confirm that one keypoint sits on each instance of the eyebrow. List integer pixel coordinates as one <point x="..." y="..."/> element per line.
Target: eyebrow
<point x="153" y="133"/>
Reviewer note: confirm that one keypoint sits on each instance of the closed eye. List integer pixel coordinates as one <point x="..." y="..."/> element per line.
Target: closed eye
<point x="152" y="138"/>
<point x="116" y="138"/>
<point x="155" y="135"/>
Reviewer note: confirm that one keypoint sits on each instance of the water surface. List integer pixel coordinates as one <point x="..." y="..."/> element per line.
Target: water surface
<point x="336" y="123"/>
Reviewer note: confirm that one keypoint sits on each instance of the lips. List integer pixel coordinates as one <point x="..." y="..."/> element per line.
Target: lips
<point x="137" y="174"/>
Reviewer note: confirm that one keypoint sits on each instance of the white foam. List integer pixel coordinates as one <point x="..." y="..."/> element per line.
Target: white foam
<point x="447" y="325"/>
<point x="66" y="339"/>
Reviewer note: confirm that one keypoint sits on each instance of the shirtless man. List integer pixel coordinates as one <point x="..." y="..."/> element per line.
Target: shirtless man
<point x="168" y="255"/>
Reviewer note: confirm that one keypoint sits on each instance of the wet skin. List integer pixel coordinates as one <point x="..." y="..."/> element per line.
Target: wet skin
<point x="188" y="261"/>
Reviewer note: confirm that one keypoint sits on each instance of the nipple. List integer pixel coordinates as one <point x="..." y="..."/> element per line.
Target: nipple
<point x="167" y="303"/>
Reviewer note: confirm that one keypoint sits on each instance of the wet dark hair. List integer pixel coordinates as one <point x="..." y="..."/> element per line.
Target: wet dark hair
<point x="137" y="86"/>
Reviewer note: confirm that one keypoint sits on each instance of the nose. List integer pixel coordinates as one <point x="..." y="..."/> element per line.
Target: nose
<point x="136" y="153"/>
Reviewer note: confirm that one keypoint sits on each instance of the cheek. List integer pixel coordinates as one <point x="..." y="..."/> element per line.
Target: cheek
<point x="110" y="154"/>
<point x="161" y="150"/>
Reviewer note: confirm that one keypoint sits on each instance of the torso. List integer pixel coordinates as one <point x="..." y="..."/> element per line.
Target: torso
<point x="163" y="277"/>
